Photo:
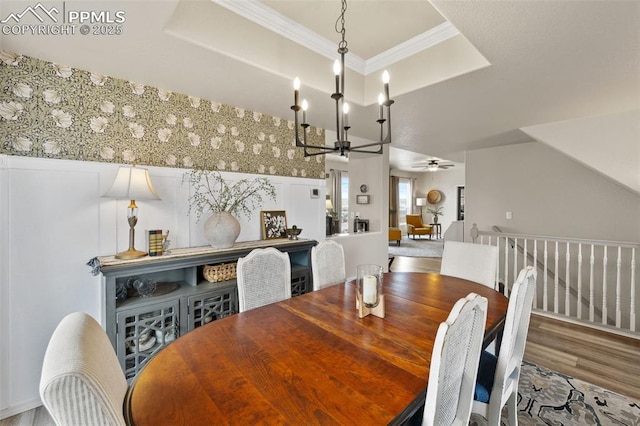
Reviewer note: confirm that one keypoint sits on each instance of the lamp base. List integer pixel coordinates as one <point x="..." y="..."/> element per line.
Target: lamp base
<point x="132" y="253"/>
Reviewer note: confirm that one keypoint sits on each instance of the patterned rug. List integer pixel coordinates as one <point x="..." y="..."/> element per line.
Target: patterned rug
<point x="546" y="397"/>
<point x="420" y="247"/>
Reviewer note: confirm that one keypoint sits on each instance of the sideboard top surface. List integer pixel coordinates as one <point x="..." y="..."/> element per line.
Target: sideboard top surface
<point x="195" y="255"/>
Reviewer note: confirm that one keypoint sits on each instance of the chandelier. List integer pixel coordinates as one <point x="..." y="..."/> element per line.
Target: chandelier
<point x="342" y="145"/>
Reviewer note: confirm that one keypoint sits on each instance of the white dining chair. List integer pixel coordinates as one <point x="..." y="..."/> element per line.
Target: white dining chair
<point x="473" y="262"/>
<point x="498" y="377"/>
<point x="327" y="264"/>
<point x="454" y="363"/>
<point x="263" y="277"/>
<point x="81" y="381"/>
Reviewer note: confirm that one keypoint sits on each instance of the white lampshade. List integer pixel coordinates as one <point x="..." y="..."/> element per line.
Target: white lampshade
<point x="132" y="183"/>
<point x="421" y="202"/>
<point x="329" y="204"/>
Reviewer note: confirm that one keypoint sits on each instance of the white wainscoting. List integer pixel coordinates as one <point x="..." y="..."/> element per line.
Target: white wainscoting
<point x="53" y="220"/>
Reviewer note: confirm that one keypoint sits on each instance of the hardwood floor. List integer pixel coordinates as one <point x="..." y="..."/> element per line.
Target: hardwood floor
<point x="604" y="359"/>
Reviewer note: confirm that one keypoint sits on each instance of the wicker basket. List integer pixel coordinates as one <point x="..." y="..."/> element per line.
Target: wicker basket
<point x="221" y="272"/>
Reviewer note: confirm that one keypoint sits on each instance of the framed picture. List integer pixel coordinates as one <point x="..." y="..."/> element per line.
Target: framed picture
<point x="362" y="199"/>
<point x="273" y="223"/>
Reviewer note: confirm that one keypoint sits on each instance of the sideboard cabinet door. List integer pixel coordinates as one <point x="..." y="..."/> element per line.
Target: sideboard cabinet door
<point x="206" y="307"/>
<point x="143" y="331"/>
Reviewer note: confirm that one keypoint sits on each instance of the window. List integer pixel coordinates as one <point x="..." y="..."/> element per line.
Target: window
<point x="404" y="200"/>
<point x="344" y="205"/>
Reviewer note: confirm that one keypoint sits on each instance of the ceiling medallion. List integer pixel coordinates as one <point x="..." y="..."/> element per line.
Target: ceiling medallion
<point x="342" y="145"/>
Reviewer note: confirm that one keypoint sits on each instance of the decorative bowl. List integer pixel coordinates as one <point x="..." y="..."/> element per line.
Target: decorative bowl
<point x="293" y="233"/>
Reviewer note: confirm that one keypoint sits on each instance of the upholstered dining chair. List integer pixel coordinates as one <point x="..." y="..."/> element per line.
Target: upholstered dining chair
<point x="473" y="262"/>
<point x="82" y="382"/>
<point x="454" y="363"/>
<point x="327" y="264"/>
<point x="498" y="377"/>
<point x="263" y="277"/>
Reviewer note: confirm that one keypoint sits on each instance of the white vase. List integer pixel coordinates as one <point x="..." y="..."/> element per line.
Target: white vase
<point x="221" y="230"/>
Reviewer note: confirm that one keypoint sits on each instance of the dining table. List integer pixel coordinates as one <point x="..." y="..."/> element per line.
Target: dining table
<point x="308" y="360"/>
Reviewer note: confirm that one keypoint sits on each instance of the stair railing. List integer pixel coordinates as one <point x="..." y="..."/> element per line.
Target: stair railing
<point x="590" y="281"/>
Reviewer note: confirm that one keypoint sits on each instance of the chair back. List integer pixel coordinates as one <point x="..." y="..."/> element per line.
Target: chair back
<point x="473" y="262"/>
<point x="415" y="220"/>
<point x="454" y="363"/>
<point x="82" y="382"/>
<point x="500" y="380"/>
<point x="327" y="264"/>
<point x="264" y="277"/>
<point x="514" y="338"/>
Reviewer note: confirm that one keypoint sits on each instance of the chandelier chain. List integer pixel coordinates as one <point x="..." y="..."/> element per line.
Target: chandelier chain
<point x="340" y="29"/>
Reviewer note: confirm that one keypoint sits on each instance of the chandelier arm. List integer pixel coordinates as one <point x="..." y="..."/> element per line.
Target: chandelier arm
<point x="369" y="144"/>
<point x="313" y="154"/>
<point x="357" y="149"/>
<point x="320" y="147"/>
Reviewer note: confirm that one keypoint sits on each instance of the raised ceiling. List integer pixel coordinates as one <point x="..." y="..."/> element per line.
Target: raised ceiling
<point x="541" y="62"/>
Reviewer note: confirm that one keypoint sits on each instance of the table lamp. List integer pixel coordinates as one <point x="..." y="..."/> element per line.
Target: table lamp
<point x="421" y="202"/>
<point x="132" y="183"/>
<point x="329" y="206"/>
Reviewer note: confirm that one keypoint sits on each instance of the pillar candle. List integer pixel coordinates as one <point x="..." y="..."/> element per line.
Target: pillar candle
<point x="370" y="289"/>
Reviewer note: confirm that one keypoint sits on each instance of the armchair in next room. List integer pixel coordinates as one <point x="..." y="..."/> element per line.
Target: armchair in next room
<point x="416" y="227"/>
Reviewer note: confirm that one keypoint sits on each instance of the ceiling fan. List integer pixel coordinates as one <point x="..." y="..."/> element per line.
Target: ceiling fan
<point x="433" y="166"/>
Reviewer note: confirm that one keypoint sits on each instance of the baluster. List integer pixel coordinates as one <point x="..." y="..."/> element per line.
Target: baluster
<point x="632" y="285"/>
<point x="567" y="282"/>
<point x="605" y="260"/>
<point x="618" y="266"/>
<point x="579" y="304"/>
<point x="545" y="287"/>
<point x="506" y="266"/>
<point x="556" y="298"/>
<point x="496" y="284"/>
<point x="592" y="261"/>
<point x="515" y="260"/>
<point x="535" y="265"/>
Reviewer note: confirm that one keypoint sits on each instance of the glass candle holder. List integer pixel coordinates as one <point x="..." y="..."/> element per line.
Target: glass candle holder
<point x="369" y="284"/>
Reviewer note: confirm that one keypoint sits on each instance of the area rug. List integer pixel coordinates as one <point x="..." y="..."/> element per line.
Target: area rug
<point x="547" y="397"/>
<point x="417" y="248"/>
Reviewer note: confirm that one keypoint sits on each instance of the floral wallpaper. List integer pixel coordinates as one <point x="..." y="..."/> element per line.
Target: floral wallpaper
<point x="55" y="111"/>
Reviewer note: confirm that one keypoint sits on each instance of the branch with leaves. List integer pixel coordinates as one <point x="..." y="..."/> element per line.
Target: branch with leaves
<point x="212" y="193"/>
<point x="436" y="211"/>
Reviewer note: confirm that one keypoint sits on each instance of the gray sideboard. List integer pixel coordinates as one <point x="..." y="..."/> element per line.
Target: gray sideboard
<point x="139" y="327"/>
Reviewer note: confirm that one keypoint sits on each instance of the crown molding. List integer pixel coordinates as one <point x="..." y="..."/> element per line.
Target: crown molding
<point x="410" y="47"/>
<point x="259" y="13"/>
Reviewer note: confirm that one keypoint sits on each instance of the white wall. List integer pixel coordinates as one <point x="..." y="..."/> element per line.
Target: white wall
<point x="53" y="220"/>
<point x="548" y="194"/>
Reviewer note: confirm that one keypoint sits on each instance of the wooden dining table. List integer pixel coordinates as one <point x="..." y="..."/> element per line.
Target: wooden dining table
<point x="307" y="360"/>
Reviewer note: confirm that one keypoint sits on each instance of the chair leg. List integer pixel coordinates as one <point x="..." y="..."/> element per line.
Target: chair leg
<point x="512" y="407"/>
